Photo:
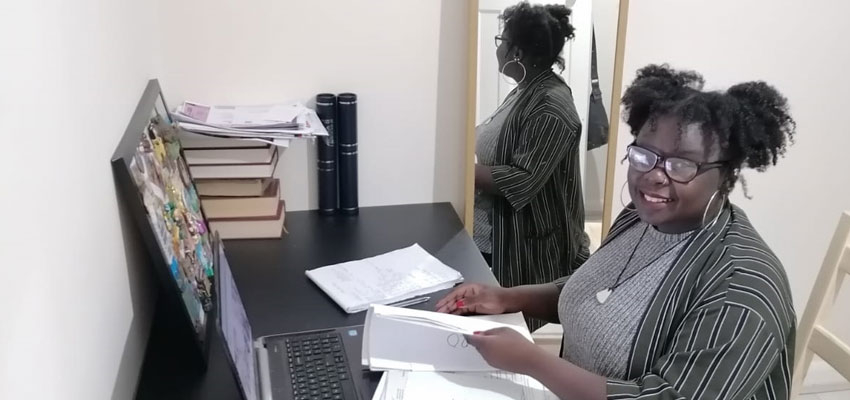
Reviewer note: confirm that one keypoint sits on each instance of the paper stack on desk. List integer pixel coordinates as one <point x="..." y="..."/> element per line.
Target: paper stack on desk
<point x="413" y="345"/>
<point x="497" y="385"/>
<point x="384" y="279"/>
<point x="275" y="124"/>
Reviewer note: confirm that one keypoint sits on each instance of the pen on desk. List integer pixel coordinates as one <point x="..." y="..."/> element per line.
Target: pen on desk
<point x="411" y="302"/>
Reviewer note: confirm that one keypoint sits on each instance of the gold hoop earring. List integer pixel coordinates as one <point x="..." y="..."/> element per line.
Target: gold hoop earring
<point x="518" y="62"/>
<point x="623" y="203"/>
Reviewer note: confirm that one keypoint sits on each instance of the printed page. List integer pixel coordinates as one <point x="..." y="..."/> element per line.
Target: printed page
<point x="472" y="386"/>
<point x="395" y="384"/>
<point x="254" y="116"/>
<point x="416" y="340"/>
<point x="382" y="279"/>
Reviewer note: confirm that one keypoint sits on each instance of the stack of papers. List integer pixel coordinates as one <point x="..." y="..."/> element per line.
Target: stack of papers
<point x="384" y="279"/>
<point x="416" y="340"/>
<point x="497" y="385"/>
<point x="425" y="356"/>
<point x="268" y="123"/>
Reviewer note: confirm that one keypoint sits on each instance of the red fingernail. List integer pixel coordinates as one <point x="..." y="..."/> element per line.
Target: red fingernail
<point x="476" y="333"/>
<point x="459" y="303"/>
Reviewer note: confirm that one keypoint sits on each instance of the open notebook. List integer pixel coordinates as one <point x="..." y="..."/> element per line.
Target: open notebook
<point x="384" y="279"/>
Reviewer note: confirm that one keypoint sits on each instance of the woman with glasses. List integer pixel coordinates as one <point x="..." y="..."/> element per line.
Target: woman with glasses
<point x="684" y="300"/>
<point x="529" y="211"/>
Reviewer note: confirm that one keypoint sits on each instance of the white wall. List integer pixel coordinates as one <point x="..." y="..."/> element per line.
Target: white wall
<point x="75" y="292"/>
<point x="801" y="49"/>
<point x="452" y="79"/>
<point x="74" y="309"/>
<point x="387" y="52"/>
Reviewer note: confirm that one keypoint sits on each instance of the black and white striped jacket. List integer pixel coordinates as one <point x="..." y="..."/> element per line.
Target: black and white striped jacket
<point x="538" y="222"/>
<point x="721" y="325"/>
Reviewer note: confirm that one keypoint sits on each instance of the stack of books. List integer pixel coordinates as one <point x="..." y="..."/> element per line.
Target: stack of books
<point x="235" y="181"/>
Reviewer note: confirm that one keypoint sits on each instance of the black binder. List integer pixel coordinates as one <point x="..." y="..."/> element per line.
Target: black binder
<point x="347" y="149"/>
<point x="327" y="158"/>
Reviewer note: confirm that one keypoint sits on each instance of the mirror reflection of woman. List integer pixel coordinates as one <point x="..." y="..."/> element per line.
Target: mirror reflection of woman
<point x="684" y="300"/>
<point x="529" y="211"/>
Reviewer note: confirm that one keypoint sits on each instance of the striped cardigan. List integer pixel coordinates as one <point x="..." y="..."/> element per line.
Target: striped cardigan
<point x="538" y="222"/>
<point x="721" y="325"/>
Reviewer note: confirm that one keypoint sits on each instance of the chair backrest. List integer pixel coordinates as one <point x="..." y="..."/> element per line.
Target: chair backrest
<point x="812" y="336"/>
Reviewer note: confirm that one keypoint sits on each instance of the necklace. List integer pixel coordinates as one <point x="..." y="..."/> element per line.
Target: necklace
<point x="602" y="295"/>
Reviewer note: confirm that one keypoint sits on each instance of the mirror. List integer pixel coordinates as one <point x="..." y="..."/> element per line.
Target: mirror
<point x="589" y="71"/>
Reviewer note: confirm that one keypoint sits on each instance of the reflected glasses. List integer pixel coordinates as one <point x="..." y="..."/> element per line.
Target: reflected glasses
<point x="677" y="169"/>
<point x="498" y="39"/>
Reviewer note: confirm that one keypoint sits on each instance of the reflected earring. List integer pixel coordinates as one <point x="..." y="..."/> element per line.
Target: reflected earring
<point x="708" y="206"/>
<point x="518" y="62"/>
<point x="623" y="203"/>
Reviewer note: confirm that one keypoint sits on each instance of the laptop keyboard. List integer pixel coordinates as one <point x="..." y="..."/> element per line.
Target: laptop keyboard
<point x="317" y="365"/>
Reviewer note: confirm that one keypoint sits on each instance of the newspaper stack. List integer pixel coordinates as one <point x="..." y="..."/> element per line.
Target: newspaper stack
<point x="276" y="124"/>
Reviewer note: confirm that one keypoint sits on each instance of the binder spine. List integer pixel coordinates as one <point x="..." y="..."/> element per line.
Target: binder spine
<point x="326" y="109"/>
<point x="347" y="149"/>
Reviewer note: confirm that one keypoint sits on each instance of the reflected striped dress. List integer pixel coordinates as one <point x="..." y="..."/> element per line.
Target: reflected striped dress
<point x="538" y="222"/>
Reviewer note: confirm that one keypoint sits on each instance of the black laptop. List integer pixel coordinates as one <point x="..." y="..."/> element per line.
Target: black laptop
<point x="303" y="365"/>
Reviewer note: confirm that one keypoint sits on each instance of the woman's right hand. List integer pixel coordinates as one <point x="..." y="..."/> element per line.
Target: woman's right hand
<point x="475" y="298"/>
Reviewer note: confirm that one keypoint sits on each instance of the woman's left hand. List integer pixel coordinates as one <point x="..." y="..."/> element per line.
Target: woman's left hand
<point x="506" y="349"/>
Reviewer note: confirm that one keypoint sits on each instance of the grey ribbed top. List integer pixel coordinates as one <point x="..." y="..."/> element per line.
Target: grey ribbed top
<point x="598" y="337"/>
<point x="486" y="137"/>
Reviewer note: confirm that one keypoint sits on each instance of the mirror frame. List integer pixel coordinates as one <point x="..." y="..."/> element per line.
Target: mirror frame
<point x="471" y="87"/>
<point x="614" y="121"/>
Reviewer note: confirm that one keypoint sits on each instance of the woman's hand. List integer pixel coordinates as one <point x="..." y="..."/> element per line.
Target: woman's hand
<point x="505" y="348"/>
<point x="484" y="180"/>
<point x="474" y="298"/>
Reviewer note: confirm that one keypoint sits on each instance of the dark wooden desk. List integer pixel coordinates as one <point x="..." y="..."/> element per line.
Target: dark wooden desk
<point x="279" y="298"/>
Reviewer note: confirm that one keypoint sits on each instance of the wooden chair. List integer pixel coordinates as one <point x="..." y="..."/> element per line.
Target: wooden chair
<point x="812" y="336"/>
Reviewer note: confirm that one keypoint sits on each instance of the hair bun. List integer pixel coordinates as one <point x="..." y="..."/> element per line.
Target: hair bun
<point x="766" y="119"/>
<point x="562" y="14"/>
<point x="758" y="95"/>
<point x="665" y="76"/>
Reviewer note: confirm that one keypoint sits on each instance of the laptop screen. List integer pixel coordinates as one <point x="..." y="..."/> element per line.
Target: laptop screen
<point x="235" y="329"/>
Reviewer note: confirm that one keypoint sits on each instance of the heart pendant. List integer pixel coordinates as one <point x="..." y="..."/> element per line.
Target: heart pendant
<point x="602" y="295"/>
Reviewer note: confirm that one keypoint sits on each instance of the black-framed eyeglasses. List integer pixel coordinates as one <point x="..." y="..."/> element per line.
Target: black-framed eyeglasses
<point x="498" y="39"/>
<point x="677" y="169"/>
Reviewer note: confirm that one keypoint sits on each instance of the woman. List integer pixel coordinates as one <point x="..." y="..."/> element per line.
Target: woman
<point x="529" y="215"/>
<point x="684" y="299"/>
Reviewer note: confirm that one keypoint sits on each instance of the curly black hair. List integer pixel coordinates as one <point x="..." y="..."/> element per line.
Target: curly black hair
<point x="750" y="120"/>
<point x="539" y="31"/>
